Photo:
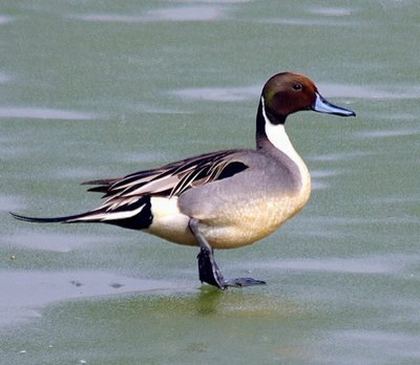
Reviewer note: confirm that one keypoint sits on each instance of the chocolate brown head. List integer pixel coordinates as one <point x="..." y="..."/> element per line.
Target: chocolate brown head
<point x="286" y="93"/>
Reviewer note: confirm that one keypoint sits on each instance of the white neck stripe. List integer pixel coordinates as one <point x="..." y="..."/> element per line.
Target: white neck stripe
<point x="263" y="111"/>
<point x="276" y="134"/>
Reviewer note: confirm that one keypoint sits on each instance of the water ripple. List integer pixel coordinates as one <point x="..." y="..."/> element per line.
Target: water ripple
<point x="222" y="94"/>
<point x="177" y="14"/>
<point x="354" y="265"/>
<point x="4" y="78"/>
<point x="344" y="156"/>
<point x="383" y="133"/>
<point x="319" y="178"/>
<point x="311" y="22"/>
<point x="229" y="94"/>
<point x="4" y="19"/>
<point x="331" y="11"/>
<point x="369" y="92"/>
<point x="55" y="242"/>
<point x="8" y="203"/>
<point x="43" y="113"/>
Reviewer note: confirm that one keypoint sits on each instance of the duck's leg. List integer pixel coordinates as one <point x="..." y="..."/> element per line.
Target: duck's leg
<point x="208" y="270"/>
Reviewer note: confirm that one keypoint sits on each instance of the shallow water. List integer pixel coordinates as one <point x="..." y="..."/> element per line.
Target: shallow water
<point x="100" y="89"/>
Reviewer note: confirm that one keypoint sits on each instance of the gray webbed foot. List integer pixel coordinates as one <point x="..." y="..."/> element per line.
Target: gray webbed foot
<point x="241" y="282"/>
<point x="210" y="273"/>
<point x="208" y="270"/>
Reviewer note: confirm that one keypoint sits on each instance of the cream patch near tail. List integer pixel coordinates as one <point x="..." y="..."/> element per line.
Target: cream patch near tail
<point x="169" y="222"/>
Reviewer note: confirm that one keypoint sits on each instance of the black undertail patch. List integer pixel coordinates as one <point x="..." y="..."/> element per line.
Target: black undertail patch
<point x="141" y="220"/>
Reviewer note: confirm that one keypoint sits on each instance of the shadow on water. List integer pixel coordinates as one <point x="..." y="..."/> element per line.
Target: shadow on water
<point x="208" y="300"/>
<point x="242" y="303"/>
<point x="203" y="325"/>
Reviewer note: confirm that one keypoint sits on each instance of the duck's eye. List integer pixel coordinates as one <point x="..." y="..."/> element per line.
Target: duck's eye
<point x="297" y="87"/>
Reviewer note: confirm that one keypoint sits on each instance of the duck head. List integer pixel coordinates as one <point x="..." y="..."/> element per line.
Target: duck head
<point x="287" y="93"/>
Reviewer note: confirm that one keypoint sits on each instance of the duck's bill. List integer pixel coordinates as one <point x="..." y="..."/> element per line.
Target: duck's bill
<point x="322" y="105"/>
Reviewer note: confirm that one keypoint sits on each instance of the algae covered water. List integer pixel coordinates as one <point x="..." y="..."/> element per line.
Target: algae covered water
<point x="95" y="89"/>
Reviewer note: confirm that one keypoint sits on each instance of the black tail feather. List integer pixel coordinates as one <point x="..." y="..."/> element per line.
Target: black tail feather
<point x="99" y="189"/>
<point x="99" y="182"/>
<point x="102" y="185"/>
<point x="66" y="219"/>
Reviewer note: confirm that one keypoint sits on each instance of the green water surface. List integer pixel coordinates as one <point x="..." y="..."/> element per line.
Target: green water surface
<point x="94" y="89"/>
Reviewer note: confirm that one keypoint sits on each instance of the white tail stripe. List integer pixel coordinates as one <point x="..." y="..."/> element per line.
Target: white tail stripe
<point x="111" y="215"/>
<point x="123" y="215"/>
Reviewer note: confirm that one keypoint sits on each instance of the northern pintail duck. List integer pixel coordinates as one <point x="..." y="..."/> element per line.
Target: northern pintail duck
<point x="223" y="199"/>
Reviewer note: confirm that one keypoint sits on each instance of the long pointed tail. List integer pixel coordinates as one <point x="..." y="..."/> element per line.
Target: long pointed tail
<point x="83" y="217"/>
<point x="132" y="215"/>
